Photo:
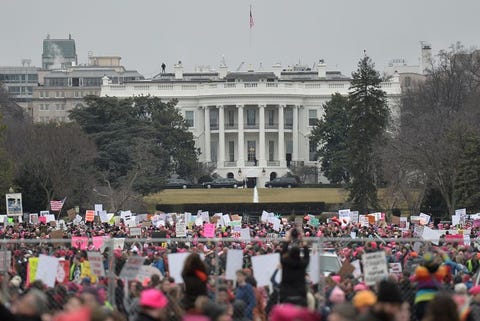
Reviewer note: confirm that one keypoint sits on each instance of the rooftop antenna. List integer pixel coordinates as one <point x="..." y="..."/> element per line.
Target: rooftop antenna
<point x="224" y="63"/>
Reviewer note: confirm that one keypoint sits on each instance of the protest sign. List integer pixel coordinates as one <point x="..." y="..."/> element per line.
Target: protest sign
<point x="97" y="242"/>
<point x="132" y="267"/>
<point x="33" y="218"/>
<point x="71" y="213"/>
<point x="98" y="208"/>
<point x="346" y="269"/>
<point x="245" y="234"/>
<point x="31" y="269"/>
<point x="424" y="218"/>
<point x="431" y="235"/>
<point x="344" y="216"/>
<point x="63" y="271"/>
<point x="403" y="223"/>
<point x="363" y="220"/>
<point x="234" y="263"/>
<point x="354" y="217"/>
<point x="89" y="216"/>
<point x="57" y="234"/>
<point x="418" y="230"/>
<point x="118" y="243"/>
<point x="209" y="230"/>
<point x="46" y="264"/>
<point x="135" y="231"/>
<point x="358" y="270"/>
<point x="395" y="268"/>
<point x="5" y="260"/>
<point x="103" y="216"/>
<point x="80" y="242"/>
<point x="263" y="267"/>
<point x="374" y="267"/>
<point x="276" y="224"/>
<point x="146" y="272"/>
<point x="181" y="229"/>
<point x="96" y="263"/>
<point x="175" y="265"/>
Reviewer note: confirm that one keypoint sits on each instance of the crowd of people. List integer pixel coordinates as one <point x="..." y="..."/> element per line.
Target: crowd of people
<point x="435" y="282"/>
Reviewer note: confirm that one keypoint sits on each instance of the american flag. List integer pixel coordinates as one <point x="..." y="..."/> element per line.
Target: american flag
<point x="56" y="206"/>
<point x="252" y="23"/>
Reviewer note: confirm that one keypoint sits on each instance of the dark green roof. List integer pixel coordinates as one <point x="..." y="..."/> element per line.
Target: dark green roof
<point x="62" y="47"/>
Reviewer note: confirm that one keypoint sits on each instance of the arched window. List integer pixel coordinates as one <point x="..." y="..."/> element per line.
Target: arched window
<point x="230" y="175"/>
<point x="273" y="175"/>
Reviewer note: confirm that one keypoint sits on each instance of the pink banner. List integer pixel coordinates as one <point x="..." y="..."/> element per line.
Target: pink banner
<point x="209" y="230"/>
<point x="80" y="242"/>
<point x="97" y="242"/>
<point x="476" y="223"/>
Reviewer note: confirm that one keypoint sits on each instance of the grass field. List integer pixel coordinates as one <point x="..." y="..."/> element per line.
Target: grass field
<point x="274" y="195"/>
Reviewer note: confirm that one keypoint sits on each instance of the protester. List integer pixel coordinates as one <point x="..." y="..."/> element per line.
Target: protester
<point x="389" y="303"/>
<point x="152" y="305"/>
<point x="441" y="308"/>
<point x="195" y="277"/>
<point x="245" y="293"/>
<point x="29" y="307"/>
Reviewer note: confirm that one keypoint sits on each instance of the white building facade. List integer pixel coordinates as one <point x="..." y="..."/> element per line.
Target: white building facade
<point x="252" y="126"/>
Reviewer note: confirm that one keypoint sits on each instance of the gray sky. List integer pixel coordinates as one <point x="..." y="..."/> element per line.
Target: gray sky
<point x="146" y="33"/>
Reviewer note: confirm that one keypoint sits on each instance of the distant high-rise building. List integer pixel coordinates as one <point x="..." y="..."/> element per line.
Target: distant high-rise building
<point x="59" y="53"/>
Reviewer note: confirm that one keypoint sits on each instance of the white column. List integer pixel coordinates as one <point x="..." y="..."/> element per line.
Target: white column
<point x="295" y="134"/>
<point x="241" y="148"/>
<point x="262" y="160"/>
<point x="221" y="136"/>
<point x="207" y="135"/>
<point x="281" y="137"/>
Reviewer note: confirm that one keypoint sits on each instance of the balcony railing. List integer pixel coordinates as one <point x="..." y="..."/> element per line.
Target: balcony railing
<point x="214" y="126"/>
<point x="271" y="126"/>
<point x="288" y="126"/>
<point x="273" y="163"/>
<point x="250" y="163"/>
<point x="230" y="126"/>
<point x="180" y="89"/>
<point x="230" y="164"/>
<point x="251" y="126"/>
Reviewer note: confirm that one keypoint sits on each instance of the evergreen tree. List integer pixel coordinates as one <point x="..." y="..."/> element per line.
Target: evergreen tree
<point x="467" y="189"/>
<point x="331" y="133"/>
<point x="368" y="118"/>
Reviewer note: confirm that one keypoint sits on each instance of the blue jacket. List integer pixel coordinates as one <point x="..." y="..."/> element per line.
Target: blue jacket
<point x="247" y="295"/>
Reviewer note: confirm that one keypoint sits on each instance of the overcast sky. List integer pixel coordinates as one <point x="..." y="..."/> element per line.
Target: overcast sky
<point x="199" y="32"/>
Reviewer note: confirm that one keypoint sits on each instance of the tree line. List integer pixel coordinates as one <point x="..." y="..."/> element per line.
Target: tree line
<point x="428" y="155"/>
<point x="115" y="151"/>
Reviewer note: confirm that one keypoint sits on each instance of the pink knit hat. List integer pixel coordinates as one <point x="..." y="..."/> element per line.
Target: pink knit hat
<point x="337" y="296"/>
<point x="153" y="298"/>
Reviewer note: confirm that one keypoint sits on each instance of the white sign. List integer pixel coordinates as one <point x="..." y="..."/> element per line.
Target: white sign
<point x="431" y="235"/>
<point x="424" y="218"/>
<point x="226" y="219"/>
<point x="118" y="243"/>
<point x="234" y="263"/>
<point x="395" y="268"/>
<point x="344" y="216"/>
<point x="132" y="267"/>
<point x="175" y="265"/>
<point x="5" y="260"/>
<point x="245" y="234"/>
<point x="418" y="230"/>
<point x="96" y="263"/>
<point x="135" y="231"/>
<point x="276" y="224"/>
<point x="44" y="213"/>
<point x="263" y="267"/>
<point x="181" y="229"/>
<point x="98" y="209"/>
<point x="77" y="220"/>
<point x="466" y="239"/>
<point x="47" y="264"/>
<point x="14" y="204"/>
<point x="374" y="267"/>
<point x="354" y="216"/>
<point x="358" y="270"/>
<point x="103" y="216"/>
<point x="205" y="217"/>
<point x="146" y="272"/>
<point x="455" y="220"/>
<point x="363" y="220"/>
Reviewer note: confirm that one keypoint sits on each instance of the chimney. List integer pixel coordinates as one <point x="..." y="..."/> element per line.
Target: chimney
<point x="426" y="57"/>
<point x="277" y="69"/>
<point x="322" y="69"/>
<point x="222" y="71"/>
<point x="178" y="68"/>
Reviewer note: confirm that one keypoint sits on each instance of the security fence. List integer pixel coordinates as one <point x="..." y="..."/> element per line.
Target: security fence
<point x="118" y="269"/>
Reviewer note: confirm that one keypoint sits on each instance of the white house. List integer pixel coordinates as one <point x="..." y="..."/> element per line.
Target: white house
<point x="251" y="125"/>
